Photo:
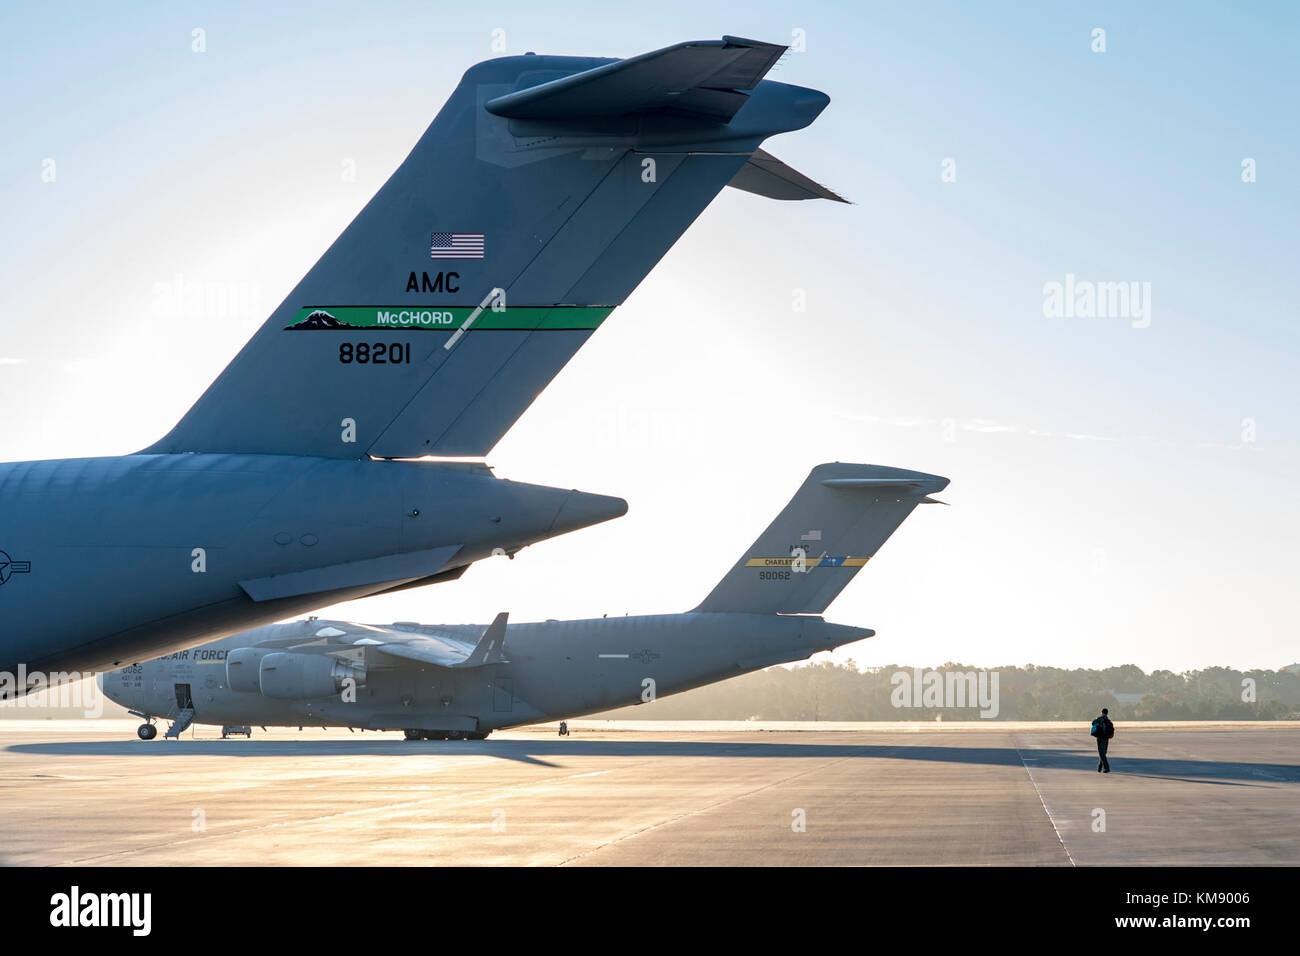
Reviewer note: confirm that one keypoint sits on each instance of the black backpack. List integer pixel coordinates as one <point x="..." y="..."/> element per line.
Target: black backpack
<point x="1102" y="727"/>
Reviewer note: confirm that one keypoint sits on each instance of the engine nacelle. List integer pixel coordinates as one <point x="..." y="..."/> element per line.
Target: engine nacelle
<point x="243" y="669"/>
<point x="295" y="676"/>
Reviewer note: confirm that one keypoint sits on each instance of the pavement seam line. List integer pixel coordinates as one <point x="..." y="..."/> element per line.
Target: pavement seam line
<point x="1050" y="819"/>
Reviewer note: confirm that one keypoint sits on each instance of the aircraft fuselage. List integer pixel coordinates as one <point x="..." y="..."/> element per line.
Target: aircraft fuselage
<point x="106" y="561"/>
<point x="556" y="669"/>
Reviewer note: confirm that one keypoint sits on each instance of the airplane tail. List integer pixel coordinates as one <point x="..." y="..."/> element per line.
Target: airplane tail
<point x="540" y="196"/>
<point x="834" y="524"/>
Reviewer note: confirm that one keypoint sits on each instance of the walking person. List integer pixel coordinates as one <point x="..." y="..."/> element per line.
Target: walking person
<point x="1103" y="730"/>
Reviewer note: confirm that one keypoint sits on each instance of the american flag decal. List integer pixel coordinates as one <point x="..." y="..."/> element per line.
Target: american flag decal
<point x="456" y="245"/>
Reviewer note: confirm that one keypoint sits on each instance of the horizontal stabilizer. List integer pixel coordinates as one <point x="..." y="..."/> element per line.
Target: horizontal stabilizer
<point x="765" y="175"/>
<point x="876" y="484"/>
<point x="701" y="79"/>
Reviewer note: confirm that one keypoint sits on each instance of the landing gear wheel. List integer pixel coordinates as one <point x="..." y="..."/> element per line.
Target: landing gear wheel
<point x="564" y="728"/>
<point x="147" y="731"/>
<point x="434" y="735"/>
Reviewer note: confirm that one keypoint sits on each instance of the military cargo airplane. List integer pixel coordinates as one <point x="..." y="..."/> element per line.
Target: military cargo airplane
<point x="463" y="681"/>
<point x="541" y="195"/>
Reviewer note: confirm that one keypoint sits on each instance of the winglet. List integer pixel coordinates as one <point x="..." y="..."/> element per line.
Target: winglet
<point x="491" y="647"/>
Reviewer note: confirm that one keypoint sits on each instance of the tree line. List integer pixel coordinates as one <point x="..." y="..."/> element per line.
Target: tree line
<point x="829" y="691"/>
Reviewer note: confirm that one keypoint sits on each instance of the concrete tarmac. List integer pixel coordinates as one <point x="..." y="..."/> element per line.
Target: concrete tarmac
<point x="88" y="792"/>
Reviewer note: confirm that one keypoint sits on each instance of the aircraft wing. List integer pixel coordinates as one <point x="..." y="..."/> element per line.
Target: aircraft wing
<point x="439" y="648"/>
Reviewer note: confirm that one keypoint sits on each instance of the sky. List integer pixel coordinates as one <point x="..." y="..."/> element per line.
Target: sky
<point x="1122" y="487"/>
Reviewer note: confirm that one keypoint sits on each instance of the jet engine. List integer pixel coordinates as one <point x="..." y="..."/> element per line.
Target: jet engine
<point x="243" y="665"/>
<point x="296" y="676"/>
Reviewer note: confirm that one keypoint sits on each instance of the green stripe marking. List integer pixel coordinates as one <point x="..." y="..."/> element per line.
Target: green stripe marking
<point x="446" y="318"/>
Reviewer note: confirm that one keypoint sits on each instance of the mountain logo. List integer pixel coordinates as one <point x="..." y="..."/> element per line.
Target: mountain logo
<point x="320" y="319"/>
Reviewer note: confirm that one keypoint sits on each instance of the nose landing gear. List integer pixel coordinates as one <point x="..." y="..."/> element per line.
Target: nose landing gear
<point x="147" y="730"/>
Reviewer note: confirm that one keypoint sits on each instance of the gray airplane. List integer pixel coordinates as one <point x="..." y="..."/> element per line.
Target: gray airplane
<point x="540" y="196"/>
<point x="463" y="681"/>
